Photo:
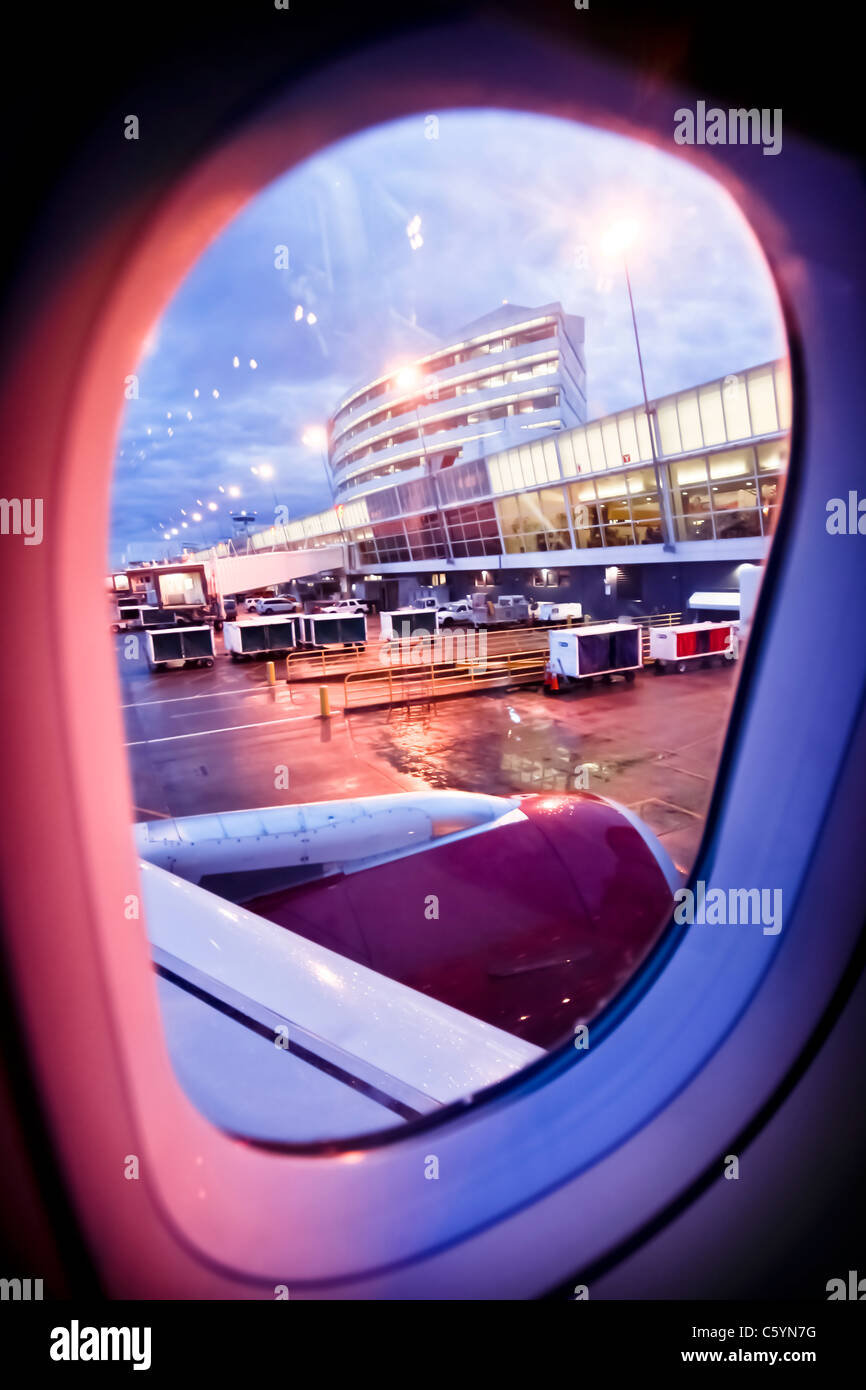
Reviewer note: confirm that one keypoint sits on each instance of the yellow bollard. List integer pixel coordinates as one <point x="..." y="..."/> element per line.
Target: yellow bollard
<point x="272" y="674"/>
<point x="324" y="702"/>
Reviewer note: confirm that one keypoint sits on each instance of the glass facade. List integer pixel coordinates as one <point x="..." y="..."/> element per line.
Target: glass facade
<point x="722" y="412"/>
<point x="473" y="530"/>
<point x="576" y="489"/>
<point x="534" y="521"/>
<point x="425" y="536"/>
<point x="728" y="495"/>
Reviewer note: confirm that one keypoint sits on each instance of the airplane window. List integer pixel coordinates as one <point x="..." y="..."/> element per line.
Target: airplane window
<point x="407" y="819"/>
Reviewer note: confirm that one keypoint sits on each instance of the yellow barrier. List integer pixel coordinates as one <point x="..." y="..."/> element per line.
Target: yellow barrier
<point x="323" y="661"/>
<point x="410" y="684"/>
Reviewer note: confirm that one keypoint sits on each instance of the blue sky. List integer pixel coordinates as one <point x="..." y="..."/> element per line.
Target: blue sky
<point x="512" y="206"/>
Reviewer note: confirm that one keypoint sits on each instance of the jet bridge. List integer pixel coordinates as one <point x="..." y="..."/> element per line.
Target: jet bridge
<point x="236" y="574"/>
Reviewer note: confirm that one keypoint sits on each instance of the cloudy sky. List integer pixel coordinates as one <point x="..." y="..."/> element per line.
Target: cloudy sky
<point x="512" y="207"/>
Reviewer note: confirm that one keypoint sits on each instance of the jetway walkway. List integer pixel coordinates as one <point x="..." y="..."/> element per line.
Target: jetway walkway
<point x="235" y="574"/>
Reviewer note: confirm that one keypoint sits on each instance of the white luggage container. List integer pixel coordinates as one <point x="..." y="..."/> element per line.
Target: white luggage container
<point x="600" y="649"/>
<point x="252" y="637"/>
<point x="189" y="646"/>
<point x="674" y="648"/>
<point x="403" y="622"/>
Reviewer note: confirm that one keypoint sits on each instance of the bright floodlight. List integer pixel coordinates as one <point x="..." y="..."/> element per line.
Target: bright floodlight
<point x="620" y="236"/>
<point x="314" y="437"/>
<point x="211" y="506"/>
<point x="407" y="376"/>
<point x="234" y="492"/>
<point x="266" y="470"/>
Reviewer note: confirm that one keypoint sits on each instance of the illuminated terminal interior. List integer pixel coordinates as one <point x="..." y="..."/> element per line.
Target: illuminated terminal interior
<point x="705" y="489"/>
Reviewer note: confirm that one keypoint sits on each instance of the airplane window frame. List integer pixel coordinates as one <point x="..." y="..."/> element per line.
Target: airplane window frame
<point x="488" y="1146"/>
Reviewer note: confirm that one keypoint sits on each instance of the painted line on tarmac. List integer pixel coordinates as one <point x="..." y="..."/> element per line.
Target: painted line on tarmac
<point x="229" y="729"/>
<point x="211" y="695"/>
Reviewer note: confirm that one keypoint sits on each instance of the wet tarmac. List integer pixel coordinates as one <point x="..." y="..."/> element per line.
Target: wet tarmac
<point x="210" y="740"/>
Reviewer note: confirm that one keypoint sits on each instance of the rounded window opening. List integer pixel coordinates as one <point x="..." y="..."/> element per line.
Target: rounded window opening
<point x="457" y="436"/>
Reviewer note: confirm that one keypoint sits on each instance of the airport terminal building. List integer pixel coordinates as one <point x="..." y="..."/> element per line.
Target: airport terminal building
<point x="633" y="512"/>
<point x="513" y="371"/>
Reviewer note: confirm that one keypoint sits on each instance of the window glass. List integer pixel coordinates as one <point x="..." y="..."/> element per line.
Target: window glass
<point x="581" y="451"/>
<point x="733" y="463"/>
<point x="712" y="414"/>
<point x="773" y="456"/>
<point x="589" y="537"/>
<point x="762" y="401"/>
<point x="619" y="535"/>
<point x="628" y="437"/>
<point x="689" y="416"/>
<point x="596" y="448"/>
<point x="694" y="528"/>
<point x="735" y="403"/>
<point x="510" y="966"/>
<point x="733" y="496"/>
<point x="783" y="395"/>
<point x="669" y="428"/>
<point x="643" y="434"/>
<point x="610" y="440"/>
<point x="732" y="525"/>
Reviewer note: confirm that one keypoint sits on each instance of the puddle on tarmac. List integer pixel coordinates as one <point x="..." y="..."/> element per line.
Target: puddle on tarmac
<point x="504" y="749"/>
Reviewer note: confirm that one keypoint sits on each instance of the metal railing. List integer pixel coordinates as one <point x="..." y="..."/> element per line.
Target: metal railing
<point x="378" y="659"/>
<point x="326" y="661"/>
<point x="419" y="683"/>
<point x="375" y="654"/>
<point x="654" y="620"/>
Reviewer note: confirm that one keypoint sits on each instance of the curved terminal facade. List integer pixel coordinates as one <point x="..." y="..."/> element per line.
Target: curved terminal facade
<point x="501" y="378"/>
<point x="478" y="468"/>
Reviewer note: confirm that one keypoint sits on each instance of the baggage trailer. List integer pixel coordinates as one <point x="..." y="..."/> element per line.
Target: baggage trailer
<point x="333" y="629"/>
<point x="192" y="646"/>
<point x="405" y="622"/>
<point x="597" y="650"/>
<point x="256" y="636"/>
<point x="673" y="648"/>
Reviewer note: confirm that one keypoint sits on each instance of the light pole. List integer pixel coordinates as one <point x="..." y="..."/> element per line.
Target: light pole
<point x="619" y="238"/>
